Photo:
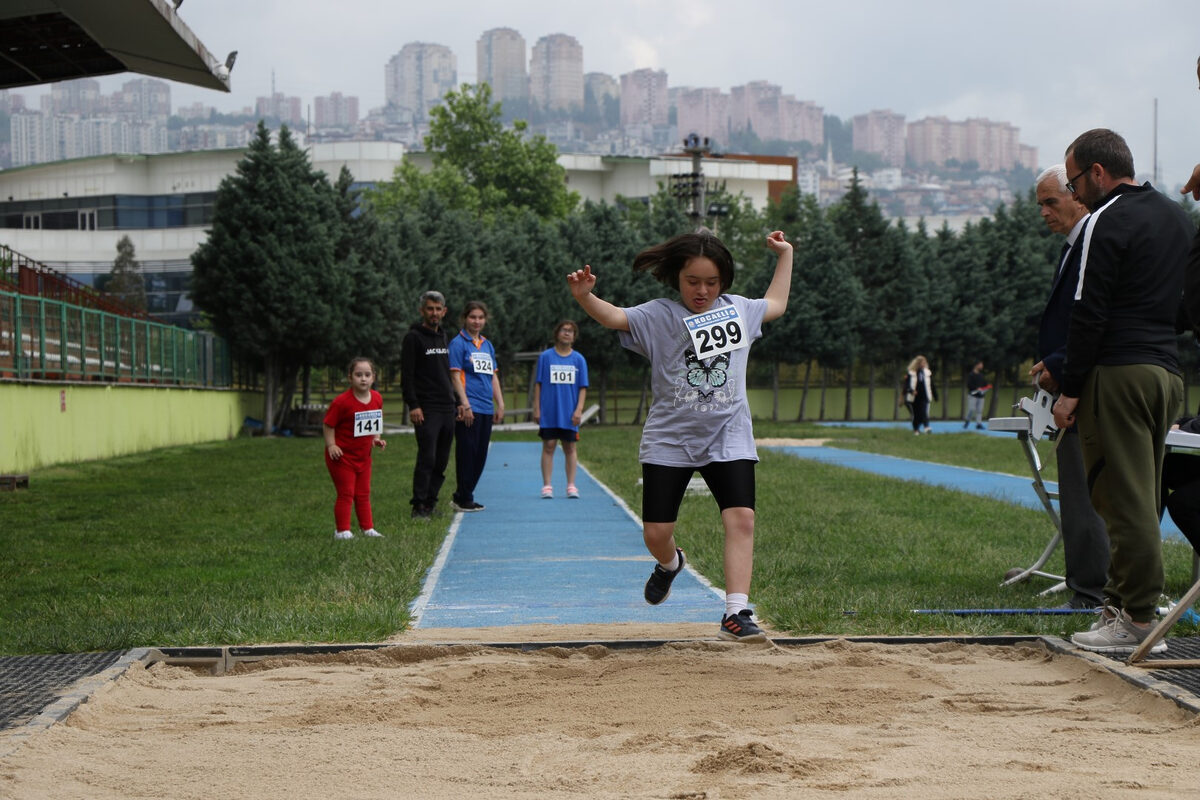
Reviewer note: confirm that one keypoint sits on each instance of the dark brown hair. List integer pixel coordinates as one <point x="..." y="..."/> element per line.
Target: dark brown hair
<point x="355" y="362"/>
<point x="471" y="306"/>
<point x="1104" y="147"/>
<point x="664" y="261"/>
<point x="564" y="323"/>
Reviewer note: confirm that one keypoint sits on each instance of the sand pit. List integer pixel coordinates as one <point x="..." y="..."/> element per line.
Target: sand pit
<point x="690" y="720"/>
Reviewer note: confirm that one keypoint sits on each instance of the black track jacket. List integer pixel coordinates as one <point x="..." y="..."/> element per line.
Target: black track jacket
<point x="1133" y="254"/>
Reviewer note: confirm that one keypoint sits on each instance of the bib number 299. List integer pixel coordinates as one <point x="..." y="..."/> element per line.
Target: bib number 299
<point x="716" y="332"/>
<point x="718" y="338"/>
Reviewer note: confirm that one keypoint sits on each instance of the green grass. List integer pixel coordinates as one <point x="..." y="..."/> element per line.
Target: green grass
<point x="230" y="543"/>
<point x="214" y="544"/>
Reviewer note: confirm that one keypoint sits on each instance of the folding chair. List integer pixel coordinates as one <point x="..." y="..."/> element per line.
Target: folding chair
<point x="1035" y="424"/>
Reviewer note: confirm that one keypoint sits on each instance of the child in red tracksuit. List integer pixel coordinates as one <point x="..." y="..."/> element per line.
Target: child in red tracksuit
<point x="353" y="424"/>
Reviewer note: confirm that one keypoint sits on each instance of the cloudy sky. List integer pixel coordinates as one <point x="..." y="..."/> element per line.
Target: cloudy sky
<point x="1053" y="69"/>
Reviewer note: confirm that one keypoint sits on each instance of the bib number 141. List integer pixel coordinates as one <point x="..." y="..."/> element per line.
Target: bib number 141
<point x="368" y="423"/>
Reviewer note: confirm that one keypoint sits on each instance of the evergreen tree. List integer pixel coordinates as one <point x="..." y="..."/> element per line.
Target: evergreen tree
<point x="374" y="320"/>
<point x="608" y="238"/>
<point x="894" y="287"/>
<point x="825" y="301"/>
<point x="267" y="275"/>
<point x="125" y="281"/>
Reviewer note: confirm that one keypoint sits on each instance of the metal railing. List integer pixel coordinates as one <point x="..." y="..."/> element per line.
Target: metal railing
<point x="47" y="339"/>
<point x="21" y="273"/>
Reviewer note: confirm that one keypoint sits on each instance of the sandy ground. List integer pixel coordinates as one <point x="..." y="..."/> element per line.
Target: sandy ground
<point x="792" y="442"/>
<point x="691" y="719"/>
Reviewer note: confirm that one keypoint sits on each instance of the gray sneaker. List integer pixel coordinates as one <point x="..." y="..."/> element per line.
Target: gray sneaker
<point x="1116" y="635"/>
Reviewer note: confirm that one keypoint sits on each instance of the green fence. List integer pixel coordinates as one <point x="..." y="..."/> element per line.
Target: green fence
<point x="55" y="340"/>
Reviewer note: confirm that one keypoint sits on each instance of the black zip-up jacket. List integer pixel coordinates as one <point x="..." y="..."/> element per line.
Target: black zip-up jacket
<point x="425" y="370"/>
<point x="1134" y="251"/>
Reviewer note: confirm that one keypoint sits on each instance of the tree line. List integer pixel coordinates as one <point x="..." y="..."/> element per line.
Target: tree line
<point x="300" y="272"/>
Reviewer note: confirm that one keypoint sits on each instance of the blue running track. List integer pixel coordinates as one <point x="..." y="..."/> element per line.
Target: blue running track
<point x="997" y="485"/>
<point x="524" y="560"/>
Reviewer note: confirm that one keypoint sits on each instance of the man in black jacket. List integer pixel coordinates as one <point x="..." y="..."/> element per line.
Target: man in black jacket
<point x="432" y="399"/>
<point x="1121" y="379"/>
<point x="1085" y="542"/>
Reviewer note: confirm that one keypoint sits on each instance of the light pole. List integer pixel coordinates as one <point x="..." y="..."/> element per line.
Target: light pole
<point x="697" y="148"/>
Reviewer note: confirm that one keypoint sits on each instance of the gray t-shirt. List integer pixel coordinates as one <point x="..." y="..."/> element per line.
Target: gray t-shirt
<point x="699" y="413"/>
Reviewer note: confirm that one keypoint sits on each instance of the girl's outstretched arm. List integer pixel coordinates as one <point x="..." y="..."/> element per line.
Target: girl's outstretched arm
<point x="781" y="283"/>
<point x="582" y="281"/>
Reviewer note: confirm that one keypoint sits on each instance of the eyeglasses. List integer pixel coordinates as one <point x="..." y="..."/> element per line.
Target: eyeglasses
<point x="1071" y="183"/>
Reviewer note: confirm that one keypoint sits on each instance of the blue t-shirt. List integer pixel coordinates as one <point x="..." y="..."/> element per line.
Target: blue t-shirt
<point x="561" y="378"/>
<point x="478" y="364"/>
<point x="700" y="413"/>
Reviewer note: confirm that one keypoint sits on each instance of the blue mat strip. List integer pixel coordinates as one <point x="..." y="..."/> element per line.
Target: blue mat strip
<point x="524" y="560"/>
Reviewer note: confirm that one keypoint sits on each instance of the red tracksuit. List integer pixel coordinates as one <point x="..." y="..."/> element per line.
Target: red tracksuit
<point x="355" y="426"/>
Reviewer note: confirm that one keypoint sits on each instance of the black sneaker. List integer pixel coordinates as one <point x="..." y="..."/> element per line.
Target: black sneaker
<point x="466" y="507"/>
<point x="658" y="585"/>
<point x="741" y="627"/>
<point x="422" y="512"/>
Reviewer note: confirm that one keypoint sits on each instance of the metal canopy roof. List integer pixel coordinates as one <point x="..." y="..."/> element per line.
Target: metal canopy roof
<point x="42" y="41"/>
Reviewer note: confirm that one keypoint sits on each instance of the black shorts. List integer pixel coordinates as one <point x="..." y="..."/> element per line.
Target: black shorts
<point x="731" y="483"/>
<point x="558" y="434"/>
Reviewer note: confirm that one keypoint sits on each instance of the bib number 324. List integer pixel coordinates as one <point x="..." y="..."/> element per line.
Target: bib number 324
<point x="716" y="332"/>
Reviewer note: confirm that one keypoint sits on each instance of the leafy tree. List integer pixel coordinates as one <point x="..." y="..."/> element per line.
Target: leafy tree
<point x="267" y="274"/>
<point x="125" y="281"/>
<point x="481" y="166"/>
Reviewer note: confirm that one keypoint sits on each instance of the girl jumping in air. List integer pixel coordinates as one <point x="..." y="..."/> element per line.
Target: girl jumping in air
<point x="353" y="424"/>
<point x="699" y="418"/>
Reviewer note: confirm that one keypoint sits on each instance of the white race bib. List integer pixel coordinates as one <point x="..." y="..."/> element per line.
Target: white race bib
<point x="481" y="363"/>
<point x="718" y="331"/>
<point x="368" y="423"/>
<point x="562" y="373"/>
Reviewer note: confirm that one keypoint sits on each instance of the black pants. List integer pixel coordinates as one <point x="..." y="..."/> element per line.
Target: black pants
<point x="470" y="456"/>
<point x="434" y="437"/>
<point x="920" y="412"/>
<point x="1181" y="478"/>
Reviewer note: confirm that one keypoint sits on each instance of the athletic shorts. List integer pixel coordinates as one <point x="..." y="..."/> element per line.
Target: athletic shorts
<point x="558" y="434"/>
<point x="731" y="484"/>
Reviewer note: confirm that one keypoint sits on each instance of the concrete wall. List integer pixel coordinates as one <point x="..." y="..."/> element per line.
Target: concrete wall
<point x="42" y="424"/>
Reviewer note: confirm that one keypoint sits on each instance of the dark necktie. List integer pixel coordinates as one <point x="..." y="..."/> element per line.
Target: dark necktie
<point x="1062" y="259"/>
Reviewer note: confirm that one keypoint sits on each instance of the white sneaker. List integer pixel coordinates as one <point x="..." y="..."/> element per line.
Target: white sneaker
<point x="1116" y="636"/>
<point x="372" y="533"/>
<point x="343" y="535"/>
<point x="572" y="492"/>
<point x="547" y="492"/>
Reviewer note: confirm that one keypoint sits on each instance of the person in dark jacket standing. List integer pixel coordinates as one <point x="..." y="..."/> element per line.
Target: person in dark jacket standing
<point x="433" y="401"/>
<point x="1085" y="541"/>
<point x="1121" y="378"/>
<point x="977" y="389"/>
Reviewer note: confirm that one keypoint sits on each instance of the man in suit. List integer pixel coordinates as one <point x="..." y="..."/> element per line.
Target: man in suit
<point x="1121" y="378"/>
<point x="1085" y="541"/>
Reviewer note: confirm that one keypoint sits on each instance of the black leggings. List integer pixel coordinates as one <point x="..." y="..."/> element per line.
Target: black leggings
<point x="731" y="483"/>
<point x="920" y="411"/>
